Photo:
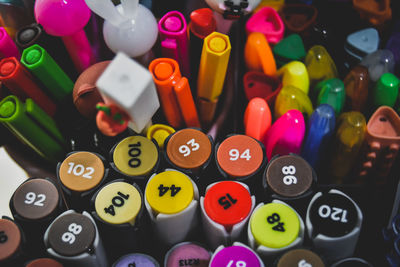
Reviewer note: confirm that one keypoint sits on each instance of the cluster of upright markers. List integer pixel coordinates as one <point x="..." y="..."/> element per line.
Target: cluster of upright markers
<point x="131" y="193"/>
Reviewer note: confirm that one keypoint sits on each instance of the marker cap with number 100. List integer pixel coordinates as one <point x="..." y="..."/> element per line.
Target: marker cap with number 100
<point x="171" y="200"/>
<point x="237" y="255"/>
<point x="225" y="211"/>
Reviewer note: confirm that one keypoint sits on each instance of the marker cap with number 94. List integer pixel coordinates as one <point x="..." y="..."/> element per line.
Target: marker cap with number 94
<point x="333" y="224"/>
<point x="171" y="200"/>
<point x="73" y="238"/>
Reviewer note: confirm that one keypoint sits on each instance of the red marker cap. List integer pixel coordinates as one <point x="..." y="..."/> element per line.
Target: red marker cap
<point x="20" y="82"/>
<point x="257" y="118"/>
<point x="257" y="84"/>
<point x="202" y="22"/>
<point x="227" y="203"/>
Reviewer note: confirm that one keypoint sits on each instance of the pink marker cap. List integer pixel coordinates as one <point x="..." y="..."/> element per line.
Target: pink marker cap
<point x="286" y="134"/>
<point x="174" y="39"/>
<point x="7" y="46"/>
<point x="268" y="22"/>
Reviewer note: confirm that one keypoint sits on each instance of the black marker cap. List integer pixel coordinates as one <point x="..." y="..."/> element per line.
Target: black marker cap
<point x="352" y="262"/>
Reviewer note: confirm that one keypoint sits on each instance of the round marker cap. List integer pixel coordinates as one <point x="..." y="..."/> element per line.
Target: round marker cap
<point x="33" y="56"/>
<point x="169" y="192"/>
<point x="173" y="24"/>
<point x="159" y="132"/>
<point x="233" y="256"/>
<point x="289" y="176"/>
<point x="187" y="254"/>
<point x="189" y="148"/>
<point x="44" y="262"/>
<point x="10" y="239"/>
<point x="300" y="257"/>
<point x="275" y="225"/>
<point x="333" y="215"/>
<point x="352" y="262"/>
<point x="163" y="70"/>
<point x="240" y="155"/>
<point x="136" y="259"/>
<point x="227" y="203"/>
<point x="36" y="199"/>
<point x="217" y="44"/>
<point x="7" y="67"/>
<point x="71" y="234"/>
<point x="81" y="171"/>
<point x="118" y="203"/>
<point x="26" y="35"/>
<point x="135" y="155"/>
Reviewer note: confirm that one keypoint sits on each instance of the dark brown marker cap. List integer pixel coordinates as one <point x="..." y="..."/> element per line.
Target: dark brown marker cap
<point x="195" y="144"/>
<point x="297" y="256"/>
<point x="44" y="262"/>
<point x="35" y="199"/>
<point x="69" y="223"/>
<point x="10" y="239"/>
<point x="279" y="176"/>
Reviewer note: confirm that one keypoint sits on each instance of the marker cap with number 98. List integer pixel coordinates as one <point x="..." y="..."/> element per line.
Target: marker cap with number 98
<point x="333" y="224"/>
<point x="80" y="174"/>
<point x="171" y="200"/>
<point x="237" y="255"/>
<point x="225" y="211"/>
<point x="273" y="228"/>
<point x="73" y="238"/>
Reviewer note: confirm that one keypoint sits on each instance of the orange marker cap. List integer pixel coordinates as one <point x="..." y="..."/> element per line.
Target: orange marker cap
<point x="257" y="118"/>
<point x="227" y="203"/>
<point x="258" y="54"/>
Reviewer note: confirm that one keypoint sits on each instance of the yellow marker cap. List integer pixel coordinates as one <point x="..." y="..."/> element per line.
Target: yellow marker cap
<point x="275" y="225"/>
<point x="169" y="192"/>
<point x="118" y="203"/>
<point x="159" y="132"/>
<point x="135" y="155"/>
<point x="295" y="73"/>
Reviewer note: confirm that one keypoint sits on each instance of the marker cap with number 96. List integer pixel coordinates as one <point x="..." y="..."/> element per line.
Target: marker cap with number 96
<point x="273" y="228"/>
<point x="333" y="224"/>
<point x="74" y="239"/>
<point x="237" y="255"/>
<point x="171" y="200"/>
<point x="225" y="210"/>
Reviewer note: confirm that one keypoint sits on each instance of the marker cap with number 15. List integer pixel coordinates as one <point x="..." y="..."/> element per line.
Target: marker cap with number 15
<point x="225" y="211"/>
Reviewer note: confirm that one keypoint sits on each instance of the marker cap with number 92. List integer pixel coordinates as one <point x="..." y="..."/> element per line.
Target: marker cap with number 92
<point x="333" y="223"/>
<point x="225" y="211"/>
<point x="274" y="228"/>
<point x="73" y="238"/>
<point x="237" y="255"/>
<point x="171" y="200"/>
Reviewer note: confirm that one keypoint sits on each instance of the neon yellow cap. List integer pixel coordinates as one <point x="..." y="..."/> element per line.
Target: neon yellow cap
<point x="159" y="132"/>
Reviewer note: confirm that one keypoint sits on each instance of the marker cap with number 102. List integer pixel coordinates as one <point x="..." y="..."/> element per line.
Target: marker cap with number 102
<point x="73" y="238"/>
<point x="225" y="210"/>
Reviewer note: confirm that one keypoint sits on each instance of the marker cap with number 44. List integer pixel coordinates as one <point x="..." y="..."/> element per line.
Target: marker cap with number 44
<point x="273" y="228"/>
<point x="237" y="255"/>
<point x="225" y="211"/>
<point x="333" y="224"/>
<point x="74" y="239"/>
<point x="171" y="200"/>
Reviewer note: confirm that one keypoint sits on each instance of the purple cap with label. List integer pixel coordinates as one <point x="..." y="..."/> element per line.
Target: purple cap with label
<point x="235" y="256"/>
<point x="136" y="260"/>
<point x="187" y="254"/>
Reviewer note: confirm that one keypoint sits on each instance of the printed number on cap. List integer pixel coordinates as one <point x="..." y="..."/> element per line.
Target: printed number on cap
<point x="335" y="214"/>
<point x="80" y="170"/>
<point x="31" y="198"/>
<point x="304" y="263"/>
<point x="70" y="236"/>
<point x="134" y="152"/>
<point x="227" y="201"/>
<point x="117" y="201"/>
<point x="164" y="189"/>
<point x="186" y="150"/>
<point x="3" y="237"/>
<point x="235" y="154"/>
<point x="289" y="177"/>
<point x="232" y="263"/>
<point x="275" y="218"/>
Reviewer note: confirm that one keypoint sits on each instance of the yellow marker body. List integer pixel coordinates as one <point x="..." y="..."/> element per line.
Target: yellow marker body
<point x="295" y="73"/>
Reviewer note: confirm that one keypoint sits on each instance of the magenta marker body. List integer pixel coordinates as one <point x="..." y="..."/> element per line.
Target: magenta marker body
<point x="235" y="256"/>
<point x="7" y="46"/>
<point x="174" y="39"/>
<point x="67" y="18"/>
<point x="268" y="22"/>
<point x="286" y="134"/>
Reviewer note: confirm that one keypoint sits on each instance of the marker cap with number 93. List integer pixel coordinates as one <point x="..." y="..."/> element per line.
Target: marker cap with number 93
<point x="237" y="255"/>
<point x="171" y="200"/>
<point x="225" y="211"/>
<point x="333" y="223"/>
<point x="73" y="238"/>
<point x="273" y="228"/>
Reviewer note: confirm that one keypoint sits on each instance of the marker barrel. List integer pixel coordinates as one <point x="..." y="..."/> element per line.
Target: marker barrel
<point x="235" y="255"/>
<point x="80" y="174"/>
<point x="187" y="254"/>
<point x="73" y="238"/>
<point x="34" y="205"/>
<point x="171" y="200"/>
<point x="225" y="211"/>
<point x="118" y="211"/>
<point x="333" y="224"/>
<point x="12" y="243"/>
<point x="136" y="259"/>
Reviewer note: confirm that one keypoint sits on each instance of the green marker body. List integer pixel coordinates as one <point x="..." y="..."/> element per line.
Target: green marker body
<point x="43" y="66"/>
<point x="386" y="90"/>
<point x="289" y="49"/>
<point x="31" y="124"/>
<point x="331" y="92"/>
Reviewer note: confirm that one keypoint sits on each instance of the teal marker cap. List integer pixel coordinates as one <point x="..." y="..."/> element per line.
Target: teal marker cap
<point x="386" y="90"/>
<point x="43" y="66"/>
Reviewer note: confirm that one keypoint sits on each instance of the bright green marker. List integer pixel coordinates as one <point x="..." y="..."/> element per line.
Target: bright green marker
<point x="31" y="124"/>
<point x="289" y="49"/>
<point x="386" y="90"/>
<point x="331" y="92"/>
<point x="43" y="66"/>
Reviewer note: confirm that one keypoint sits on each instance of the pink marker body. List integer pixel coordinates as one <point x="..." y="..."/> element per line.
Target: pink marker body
<point x="67" y="18"/>
<point x="7" y="46"/>
<point x="285" y="135"/>
<point x="268" y="22"/>
<point x="174" y="39"/>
